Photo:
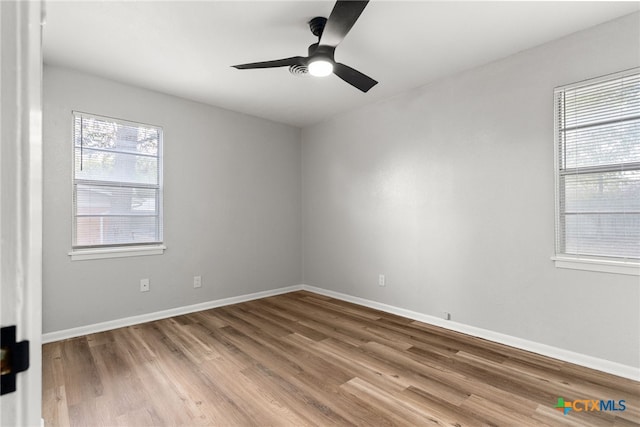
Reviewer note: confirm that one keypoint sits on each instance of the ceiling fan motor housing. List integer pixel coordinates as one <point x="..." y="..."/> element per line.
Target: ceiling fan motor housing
<point x="317" y="51"/>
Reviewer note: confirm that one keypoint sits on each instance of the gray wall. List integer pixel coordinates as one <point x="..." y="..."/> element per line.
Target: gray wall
<point x="231" y="209"/>
<point x="449" y="191"/>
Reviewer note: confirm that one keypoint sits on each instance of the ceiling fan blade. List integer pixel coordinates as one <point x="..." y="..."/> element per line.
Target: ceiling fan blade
<point x="342" y="18"/>
<point x="285" y="62"/>
<point x="354" y="77"/>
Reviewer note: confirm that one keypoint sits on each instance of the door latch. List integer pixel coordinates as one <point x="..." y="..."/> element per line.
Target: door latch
<point x="14" y="358"/>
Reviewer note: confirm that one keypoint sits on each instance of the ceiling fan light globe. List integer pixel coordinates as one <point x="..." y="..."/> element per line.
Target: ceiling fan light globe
<point x="320" y="68"/>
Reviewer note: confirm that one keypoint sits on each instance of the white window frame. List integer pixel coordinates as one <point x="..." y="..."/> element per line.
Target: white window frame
<point x="124" y="250"/>
<point x="583" y="262"/>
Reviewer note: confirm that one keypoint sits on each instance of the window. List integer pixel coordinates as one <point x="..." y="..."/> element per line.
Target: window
<point x="117" y="187"/>
<point x="597" y="127"/>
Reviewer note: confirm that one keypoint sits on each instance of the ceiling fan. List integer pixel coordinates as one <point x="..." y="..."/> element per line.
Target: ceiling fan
<point x="320" y="61"/>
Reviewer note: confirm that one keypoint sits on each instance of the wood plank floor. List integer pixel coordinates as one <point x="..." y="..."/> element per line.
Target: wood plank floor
<point x="304" y="359"/>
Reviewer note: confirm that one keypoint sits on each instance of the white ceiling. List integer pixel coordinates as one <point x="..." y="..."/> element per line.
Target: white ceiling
<point x="187" y="48"/>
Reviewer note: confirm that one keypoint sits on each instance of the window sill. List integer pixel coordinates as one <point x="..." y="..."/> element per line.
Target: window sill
<point x="605" y="266"/>
<point x="121" y="252"/>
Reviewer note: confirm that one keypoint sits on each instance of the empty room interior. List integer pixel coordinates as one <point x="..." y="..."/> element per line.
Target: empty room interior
<point x="340" y="213"/>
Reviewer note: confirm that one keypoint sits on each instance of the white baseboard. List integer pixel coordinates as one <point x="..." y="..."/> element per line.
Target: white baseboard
<point x="535" y="347"/>
<point x="149" y="317"/>
<point x="603" y="365"/>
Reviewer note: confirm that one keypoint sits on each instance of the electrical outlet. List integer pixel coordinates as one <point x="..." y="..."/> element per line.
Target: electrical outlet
<point x="381" y="281"/>
<point x="144" y="285"/>
<point x="446" y="315"/>
<point x="197" y="281"/>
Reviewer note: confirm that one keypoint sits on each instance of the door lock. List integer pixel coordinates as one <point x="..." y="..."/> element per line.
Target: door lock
<point x="14" y="358"/>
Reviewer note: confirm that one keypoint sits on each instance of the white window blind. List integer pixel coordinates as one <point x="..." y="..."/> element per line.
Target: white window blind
<point x="117" y="182"/>
<point x="598" y="168"/>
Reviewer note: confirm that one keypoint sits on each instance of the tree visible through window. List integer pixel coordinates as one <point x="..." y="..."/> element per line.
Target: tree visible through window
<point x="598" y="168"/>
<point x="117" y="186"/>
